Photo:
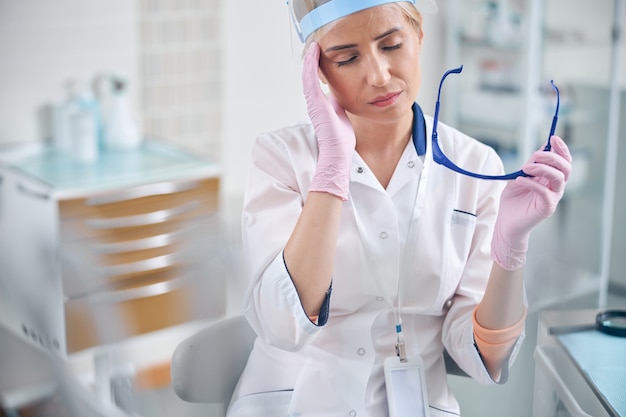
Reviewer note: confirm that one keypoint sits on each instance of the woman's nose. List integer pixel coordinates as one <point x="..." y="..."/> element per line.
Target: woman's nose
<point x="377" y="71"/>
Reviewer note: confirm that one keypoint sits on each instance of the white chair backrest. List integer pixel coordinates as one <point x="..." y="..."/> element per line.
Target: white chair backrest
<point x="207" y="365"/>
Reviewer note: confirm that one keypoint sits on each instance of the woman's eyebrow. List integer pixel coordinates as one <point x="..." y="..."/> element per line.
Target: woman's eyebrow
<point x="354" y="45"/>
<point x="340" y="47"/>
<point x="387" y="33"/>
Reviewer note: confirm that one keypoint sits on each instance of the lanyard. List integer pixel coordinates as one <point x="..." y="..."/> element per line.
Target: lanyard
<point x="419" y="141"/>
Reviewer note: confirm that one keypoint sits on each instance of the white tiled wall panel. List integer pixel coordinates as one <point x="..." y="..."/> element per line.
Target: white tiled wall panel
<point x="179" y="61"/>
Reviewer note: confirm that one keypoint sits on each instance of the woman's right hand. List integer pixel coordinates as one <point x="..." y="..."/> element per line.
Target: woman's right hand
<point x="335" y="135"/>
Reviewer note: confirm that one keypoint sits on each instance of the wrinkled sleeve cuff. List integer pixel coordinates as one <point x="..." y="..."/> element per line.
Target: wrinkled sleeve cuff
<point x="321" y="319"/>
<point x="495" y="346"/>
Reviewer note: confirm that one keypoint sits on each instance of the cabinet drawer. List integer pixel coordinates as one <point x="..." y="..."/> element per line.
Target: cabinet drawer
<point x="117" y="203"/>
<point x="109" y="213"/>
<point x="92" y="265"/>
<point x="108" y="317"/>
<point x="89" y="273"/>
<point x="90" y="324"/>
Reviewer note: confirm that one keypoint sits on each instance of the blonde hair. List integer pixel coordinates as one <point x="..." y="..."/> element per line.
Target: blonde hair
<point x="408" y="9"/>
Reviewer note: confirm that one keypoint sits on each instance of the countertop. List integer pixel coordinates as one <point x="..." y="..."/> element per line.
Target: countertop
<point x="600" y="358"/>
<point x="154" y="161"/>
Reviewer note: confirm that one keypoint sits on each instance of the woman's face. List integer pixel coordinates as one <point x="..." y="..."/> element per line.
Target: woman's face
<point x="370" y="61"/>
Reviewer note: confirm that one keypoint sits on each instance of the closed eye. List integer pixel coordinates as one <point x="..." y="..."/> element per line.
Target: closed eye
<point x="346" y="62"/>
<point x="392" y="47"/>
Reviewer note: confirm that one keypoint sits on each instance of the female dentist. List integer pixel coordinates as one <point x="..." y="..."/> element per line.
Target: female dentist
<point x="367" y="256"/>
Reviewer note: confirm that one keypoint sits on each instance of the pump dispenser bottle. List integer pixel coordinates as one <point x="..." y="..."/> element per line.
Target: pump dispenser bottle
<point x="84" y="121"/>
<point x="120" y="129"/>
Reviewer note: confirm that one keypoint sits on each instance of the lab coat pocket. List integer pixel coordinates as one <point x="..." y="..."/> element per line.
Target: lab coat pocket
<point x="462" y="226"/>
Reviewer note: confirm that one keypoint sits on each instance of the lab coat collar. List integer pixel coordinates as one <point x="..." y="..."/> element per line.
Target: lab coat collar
<point x="419" y="130"/>
<point x="412" y="158"/>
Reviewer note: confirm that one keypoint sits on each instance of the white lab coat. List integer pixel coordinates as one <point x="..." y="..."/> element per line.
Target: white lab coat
<point x="429" y="233"/>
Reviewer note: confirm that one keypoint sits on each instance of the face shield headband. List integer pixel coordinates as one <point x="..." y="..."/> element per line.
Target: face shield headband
<point x="333" y="10"/>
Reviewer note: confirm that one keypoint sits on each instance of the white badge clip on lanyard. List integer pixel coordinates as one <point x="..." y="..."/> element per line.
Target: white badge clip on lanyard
<point x="405" y="382"/>
<point x="400" y="346"/>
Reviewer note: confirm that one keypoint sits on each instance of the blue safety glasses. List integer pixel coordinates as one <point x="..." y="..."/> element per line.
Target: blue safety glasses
<point x="442" y="159"/>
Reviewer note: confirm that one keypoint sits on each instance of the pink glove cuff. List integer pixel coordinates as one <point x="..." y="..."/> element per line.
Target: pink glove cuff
<point x="331" y="179"/>
<point x="508" y="257"/>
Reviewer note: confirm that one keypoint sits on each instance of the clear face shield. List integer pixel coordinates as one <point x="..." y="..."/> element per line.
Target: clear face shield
<point x="309" y="15"/>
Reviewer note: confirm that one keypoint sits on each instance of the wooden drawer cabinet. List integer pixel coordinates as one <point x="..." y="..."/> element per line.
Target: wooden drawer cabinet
<point x="104" y="263"/>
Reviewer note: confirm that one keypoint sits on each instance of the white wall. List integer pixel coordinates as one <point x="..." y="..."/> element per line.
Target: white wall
<point x="261" y="87"/>
<point x="43" y="43"/>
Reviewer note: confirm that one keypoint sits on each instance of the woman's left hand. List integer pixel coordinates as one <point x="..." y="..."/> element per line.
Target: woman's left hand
<point x="526" y="201"/>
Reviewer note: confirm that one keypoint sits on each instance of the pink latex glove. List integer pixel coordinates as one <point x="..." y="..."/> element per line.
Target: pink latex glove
<point x="335" y="136"/>
<point x="526" y="201"/>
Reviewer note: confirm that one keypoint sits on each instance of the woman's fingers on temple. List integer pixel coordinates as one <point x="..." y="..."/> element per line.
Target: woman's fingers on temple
<point x="310" y="80"/>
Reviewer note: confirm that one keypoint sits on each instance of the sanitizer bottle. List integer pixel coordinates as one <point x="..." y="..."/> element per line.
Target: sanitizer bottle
<point x="84" y="121"/>
<point x="120" y="128"/>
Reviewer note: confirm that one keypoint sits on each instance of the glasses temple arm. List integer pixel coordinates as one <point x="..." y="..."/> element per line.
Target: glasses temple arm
<point x="555" y="118"/>
<point x="436" y="117"/>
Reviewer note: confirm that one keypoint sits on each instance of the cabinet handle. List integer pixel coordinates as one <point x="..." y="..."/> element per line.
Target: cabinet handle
<point x="151" y="264"/>
<point x="32" y="193"/>
<point x="142" y="219"/>
<point x="143" y="191"/>
<point x="151" y="242"/>
<point x="112" y="297"/>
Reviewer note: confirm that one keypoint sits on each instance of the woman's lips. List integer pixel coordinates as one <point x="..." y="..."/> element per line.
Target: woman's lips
<point x="386" y="100"/>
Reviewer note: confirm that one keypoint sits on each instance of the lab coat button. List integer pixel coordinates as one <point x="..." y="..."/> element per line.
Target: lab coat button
<point x="352" y="413"/>
<point x="379" y="298"/>
<point x="360" y="351"/>
<point x="359" y="170"/>
<point x="411" y="164"/>
<point x="447" y="304"/>
<point x="383" y="235"/>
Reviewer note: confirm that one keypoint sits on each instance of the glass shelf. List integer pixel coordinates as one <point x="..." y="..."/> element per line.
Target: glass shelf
<point x="154" y="161"/>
